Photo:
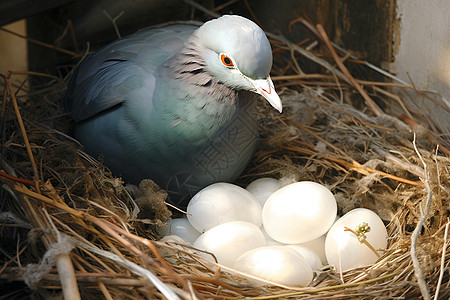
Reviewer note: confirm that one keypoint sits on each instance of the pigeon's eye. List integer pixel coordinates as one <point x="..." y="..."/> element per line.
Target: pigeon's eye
<point x="226" y="60"/>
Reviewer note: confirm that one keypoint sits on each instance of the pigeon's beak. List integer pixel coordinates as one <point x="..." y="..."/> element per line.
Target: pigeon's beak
<point x="265" y="88"/>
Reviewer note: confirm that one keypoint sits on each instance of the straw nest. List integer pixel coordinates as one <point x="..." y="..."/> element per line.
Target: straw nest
<point x="69" y="225"/>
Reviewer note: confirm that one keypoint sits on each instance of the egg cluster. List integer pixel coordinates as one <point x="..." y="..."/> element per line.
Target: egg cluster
<point x="274" y="234"/>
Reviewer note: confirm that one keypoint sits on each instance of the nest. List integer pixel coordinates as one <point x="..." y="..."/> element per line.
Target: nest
<point x="69" y="226"/>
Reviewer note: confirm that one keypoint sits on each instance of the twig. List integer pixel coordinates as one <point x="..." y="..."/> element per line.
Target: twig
<point x="395" y="97"/>
<point x="310" y="56"/>
<point x="365" y="242"/>
<point x="41" y="43"/>
<point x="83" y="278"/>
<point x="69" y="29"/>
<point x="13" y="178"/>
<point x="417" y="270"/>
<point x="355" y="166"/>
<point x="323" y="289"/>
<point x="136" y="269"/>
<point x="175" y="208"/>
<point x="404" y="164"/>
<point x="202" y="8"/>
<point x="13" y="259"/>
<point x="113" y="21"/>
<point x="376" y="110"/>
<point x="37" y="74"/>
<point x="308" y="25"/>
<point x="117" y="232"/>
<point x="324" y="76"/>
<point x="250" y="10"/>
<point x="442" y="269"/>
<point x="24" y="132"/>
<point x="438" y="172"/>
<point x="63" y="262"/>
<point x="373" y="67"/>
<point x="442" y="105"/>
<point x="104" y="290"/>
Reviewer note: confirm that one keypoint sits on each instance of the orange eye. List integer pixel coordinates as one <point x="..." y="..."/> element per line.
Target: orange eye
<point x="226" y="60"/>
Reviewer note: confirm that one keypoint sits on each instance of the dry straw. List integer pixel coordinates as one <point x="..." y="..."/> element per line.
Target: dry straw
<point x="68" y="225"/>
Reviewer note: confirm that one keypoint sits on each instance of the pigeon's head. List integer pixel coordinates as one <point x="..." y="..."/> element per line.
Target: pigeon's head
<point x="238" y="53"/>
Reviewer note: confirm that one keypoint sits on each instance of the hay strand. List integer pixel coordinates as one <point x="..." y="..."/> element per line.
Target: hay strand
<point x="74" y="54"/>
<point x="376" y="110"/>
<point x="22" y="129"/>
<point x="415" y="235"/>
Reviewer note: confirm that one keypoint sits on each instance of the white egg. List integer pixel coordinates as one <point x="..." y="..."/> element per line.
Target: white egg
<point x="309" y="255"/>
<point x="318" y="246"/>
<point x="220" y="203"/>
<point x="262" y="188"/>
<point x="299" y="212"/>
<point x="180" y="227"/>
<point x="230" y="240"/>
<point x="343" y="249"/>
<point x="269" y="241"/>
<point x="277" y="264"/>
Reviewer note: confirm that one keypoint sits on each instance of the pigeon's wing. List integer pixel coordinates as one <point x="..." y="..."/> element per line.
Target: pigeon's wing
<point x="104" y="80"/>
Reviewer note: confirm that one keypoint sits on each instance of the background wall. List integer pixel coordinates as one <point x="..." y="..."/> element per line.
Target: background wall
<point x="422" y="44"/>
<point x="14" y="52"/>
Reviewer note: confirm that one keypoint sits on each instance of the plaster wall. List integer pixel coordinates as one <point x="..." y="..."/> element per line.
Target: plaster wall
<point x="422" y="44"/>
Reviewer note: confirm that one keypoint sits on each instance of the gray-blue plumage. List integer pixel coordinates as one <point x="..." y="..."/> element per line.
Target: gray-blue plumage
<point x="172" y="104"/>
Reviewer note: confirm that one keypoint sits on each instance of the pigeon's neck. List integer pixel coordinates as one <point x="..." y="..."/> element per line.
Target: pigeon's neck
<point x="186" y="70"/>
<point x="194" y="104"/>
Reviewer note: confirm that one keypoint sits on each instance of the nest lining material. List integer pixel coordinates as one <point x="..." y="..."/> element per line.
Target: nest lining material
<point x="68" y="222"/>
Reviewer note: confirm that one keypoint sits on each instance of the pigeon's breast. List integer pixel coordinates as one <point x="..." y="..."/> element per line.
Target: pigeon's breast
<point x="221" y="158"/>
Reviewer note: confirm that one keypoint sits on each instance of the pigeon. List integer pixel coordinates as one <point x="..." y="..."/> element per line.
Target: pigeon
<point x="175" y="104"/>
